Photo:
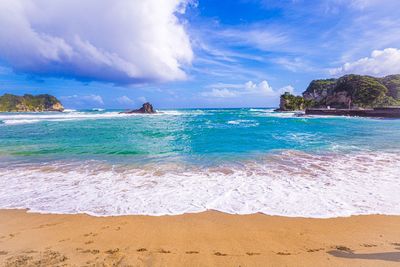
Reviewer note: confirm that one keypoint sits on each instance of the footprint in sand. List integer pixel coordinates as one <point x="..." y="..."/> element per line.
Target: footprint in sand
<point x="253" y="253"/>
<point x="89" y="242"/>
<point x="368" y="245"/>
<point x="90" y="234"/>
<point x="91" y="251"/>
<point x="342" y="248"/>
<point x="12" y="235"/>
<point x="112" y="251"/>
<point x="2" y="252"/>
<point x="220" y="254"/>
<point x="192" y="252"/>
<point x="281" y="253"/>
<point x="314" y="249"/>
<point x="164" y="251"/>
<point x="141" y="250"/>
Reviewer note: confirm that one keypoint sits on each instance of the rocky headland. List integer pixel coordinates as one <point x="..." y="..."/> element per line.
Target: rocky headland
<point x="351" y="92"/>
<point x="29" y="103"/>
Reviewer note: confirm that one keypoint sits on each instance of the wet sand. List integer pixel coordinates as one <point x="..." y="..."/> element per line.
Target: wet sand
<point x="204" y="239"/>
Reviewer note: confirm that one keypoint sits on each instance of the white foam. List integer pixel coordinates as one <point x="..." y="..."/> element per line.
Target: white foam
<point x="291" y="183"/>
<point x="21" y="118"/>
<point x="266" y="110"/>
<point x="244" y="123"/>
<point x="14" y="122"/>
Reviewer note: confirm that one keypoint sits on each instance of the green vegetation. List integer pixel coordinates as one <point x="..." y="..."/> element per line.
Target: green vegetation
<point x="354" y="91"/>
<point x="291" y="102"/>
<point x="392" y="83"/>
<point x="29" y="103"/>
<point x="363" y="91"/>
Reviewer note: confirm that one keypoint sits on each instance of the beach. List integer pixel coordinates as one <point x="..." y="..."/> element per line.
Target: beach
<point x="202" y="239"/>
<point x="198" y="187"/>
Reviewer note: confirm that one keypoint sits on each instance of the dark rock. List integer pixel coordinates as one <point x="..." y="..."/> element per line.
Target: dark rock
<point x="147" y="108"/>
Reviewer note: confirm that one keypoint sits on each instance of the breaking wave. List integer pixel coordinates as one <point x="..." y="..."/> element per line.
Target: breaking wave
<point x="289" y="183"/>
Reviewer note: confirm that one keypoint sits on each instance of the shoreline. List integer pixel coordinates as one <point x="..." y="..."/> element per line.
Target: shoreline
<point x="198" y="239"/>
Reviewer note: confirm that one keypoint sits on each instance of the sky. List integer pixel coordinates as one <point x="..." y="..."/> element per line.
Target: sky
<point x="190" y="53"/>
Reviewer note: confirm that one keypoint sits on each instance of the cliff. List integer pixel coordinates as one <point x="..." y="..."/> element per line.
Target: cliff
<point x="289" y="102"/>
<point x="350" y="91"/>
<point x="29" y="103"/>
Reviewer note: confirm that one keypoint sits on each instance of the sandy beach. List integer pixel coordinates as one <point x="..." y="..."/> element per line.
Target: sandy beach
<point x="204" y="239"/>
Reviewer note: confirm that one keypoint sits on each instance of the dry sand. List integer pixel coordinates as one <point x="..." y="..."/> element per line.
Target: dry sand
<point x="205" y="239"/>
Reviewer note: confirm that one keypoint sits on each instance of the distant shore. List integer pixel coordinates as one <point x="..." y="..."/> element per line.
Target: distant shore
<point x="203" y="239"/>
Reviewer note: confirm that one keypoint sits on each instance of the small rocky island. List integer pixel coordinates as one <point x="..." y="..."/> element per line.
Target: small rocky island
<point x="146" y="108"/>
<point x="29" y="103"/>
<point x="350" y="95"/>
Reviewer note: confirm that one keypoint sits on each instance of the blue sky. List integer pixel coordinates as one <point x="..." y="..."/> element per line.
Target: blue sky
<point x="181" y="53"/>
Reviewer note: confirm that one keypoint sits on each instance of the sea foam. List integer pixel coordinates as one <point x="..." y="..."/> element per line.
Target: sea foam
<point x="289" y="183"/>
<point x="18" y="118"/>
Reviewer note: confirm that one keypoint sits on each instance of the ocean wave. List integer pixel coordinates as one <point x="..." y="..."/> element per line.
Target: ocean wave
<point x="14" y="122"/>
<point x="244" y="123"/>
<point x="288" y="183"/>
<point x="14" y="119"/>
<point x="266" y="110"/>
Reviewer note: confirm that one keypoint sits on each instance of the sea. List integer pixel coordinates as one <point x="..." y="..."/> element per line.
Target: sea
<point x="238" y="161"/>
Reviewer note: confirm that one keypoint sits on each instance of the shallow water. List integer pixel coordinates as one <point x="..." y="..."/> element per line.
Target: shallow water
<point x="233" y="160"/>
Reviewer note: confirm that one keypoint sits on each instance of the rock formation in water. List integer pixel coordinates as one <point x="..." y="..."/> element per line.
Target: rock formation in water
<point x="289" y="102"/>
<point x="350" y="91"/>
<point x="29" y="103"/>
<point x="147" y="108"/>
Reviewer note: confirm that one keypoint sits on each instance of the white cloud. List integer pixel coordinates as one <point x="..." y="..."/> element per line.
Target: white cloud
<point x="124" y="100"/>
<point x="258" y="37"/>
<point x="262" y="89"/>
<point x="121" y="41"/>
<point x="220" y="93"/>
<point x="380" y="63"/>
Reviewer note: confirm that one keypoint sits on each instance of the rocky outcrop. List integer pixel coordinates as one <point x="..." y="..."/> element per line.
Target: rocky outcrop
<point x="29" y="103"/>
<point x="289" y="102"/>
<point x="354" y="91"/>
<point x="147" y="108"/>
<point x="347" y="92"/>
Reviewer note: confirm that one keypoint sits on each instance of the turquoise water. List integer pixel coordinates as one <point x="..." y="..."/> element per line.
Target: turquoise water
<point x="200" y="136"/>
<point x="177" y="161"/>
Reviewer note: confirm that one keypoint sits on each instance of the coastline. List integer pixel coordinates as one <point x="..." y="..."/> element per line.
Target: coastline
<point x="202" y="239"/>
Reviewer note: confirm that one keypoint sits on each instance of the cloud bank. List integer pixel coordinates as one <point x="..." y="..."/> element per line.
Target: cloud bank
<point x="380" y="63"/>
<point x="262" y="89"/>
<point x="123" y="41"/>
